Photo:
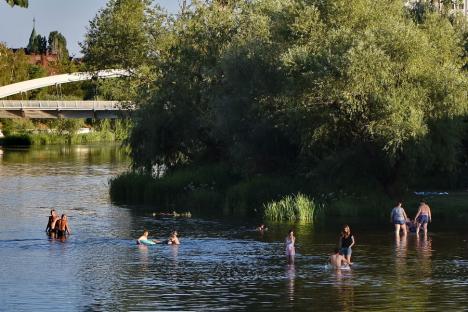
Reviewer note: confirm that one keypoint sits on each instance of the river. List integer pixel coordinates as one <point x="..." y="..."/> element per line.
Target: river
<point x="220" y="265"/>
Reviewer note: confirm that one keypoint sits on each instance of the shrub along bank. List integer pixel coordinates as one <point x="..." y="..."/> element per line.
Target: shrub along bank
<point x="212" y="189"/>
<point x="25" y="133"/>
<point x="217" y="191"/>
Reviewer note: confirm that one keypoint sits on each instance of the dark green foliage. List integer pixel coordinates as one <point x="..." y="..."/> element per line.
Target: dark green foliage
<point x="295" y="92"/>
<point x="210" y="188"/>
<point x="57" y="44"/>
<point x="344" y="94"/>
<point x="196" y="189"/>
<point x="37" y="44"/>
<point x="249" y="196"/>
<point x="16" y="140"/>
<point x="20" y="3"/>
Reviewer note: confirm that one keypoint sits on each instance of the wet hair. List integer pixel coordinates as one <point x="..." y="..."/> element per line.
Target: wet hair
<point x="336" y="250"/>
<point x="52" y="210"/>
<point x="63" y="215"/>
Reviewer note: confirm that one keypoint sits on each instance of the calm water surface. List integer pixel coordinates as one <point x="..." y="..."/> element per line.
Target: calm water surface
<point x="221" y="264"/>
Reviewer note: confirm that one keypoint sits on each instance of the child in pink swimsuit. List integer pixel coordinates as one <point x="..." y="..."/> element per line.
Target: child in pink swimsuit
<point x="290" y="250"/>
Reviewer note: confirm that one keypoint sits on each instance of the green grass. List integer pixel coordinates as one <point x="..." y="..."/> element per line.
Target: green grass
<point x="297" y="207"/>
<point x="28" y="139"/>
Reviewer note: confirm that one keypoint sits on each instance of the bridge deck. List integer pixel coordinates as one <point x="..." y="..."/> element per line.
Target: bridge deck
<point x="19" y="105"/>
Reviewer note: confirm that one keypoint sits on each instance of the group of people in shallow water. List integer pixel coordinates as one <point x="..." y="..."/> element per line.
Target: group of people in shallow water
<point x="143" y="240"/>
<point x="404" y="224"/>
<point x="341" y="256"/>
<point x="57" y="226"/>
<point x="339" y="259"/>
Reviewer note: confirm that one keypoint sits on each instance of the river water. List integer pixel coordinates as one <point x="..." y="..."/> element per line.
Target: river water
<point x="220" y="265"/>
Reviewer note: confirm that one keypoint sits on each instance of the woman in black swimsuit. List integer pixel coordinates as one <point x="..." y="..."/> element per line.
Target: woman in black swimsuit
<point x="346" y="242"/>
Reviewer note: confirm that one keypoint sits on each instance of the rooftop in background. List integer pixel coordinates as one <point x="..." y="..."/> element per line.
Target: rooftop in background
<point x="68" y="17"/>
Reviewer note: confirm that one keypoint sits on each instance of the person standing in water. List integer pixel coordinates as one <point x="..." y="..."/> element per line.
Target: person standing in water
<point x="346" y="242"/>
<point x="290" y="250"/>
<point x="63" y="227"/>
<point x="398" y="217"/>
<point x="423" y="217"/>
<point x="50" y="229"/>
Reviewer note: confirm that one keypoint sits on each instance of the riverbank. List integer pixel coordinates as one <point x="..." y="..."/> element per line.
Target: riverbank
<point x="217" y="191"/>
<point x="70" y="131"/>
<point x="27" y="139"/>
<point x="213" y="189"/>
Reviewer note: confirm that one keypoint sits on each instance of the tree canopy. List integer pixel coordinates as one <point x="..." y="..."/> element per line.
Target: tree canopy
<point x="57" y="44"/>
<point x="20" y="3"/>
<point x="333" y="90"/>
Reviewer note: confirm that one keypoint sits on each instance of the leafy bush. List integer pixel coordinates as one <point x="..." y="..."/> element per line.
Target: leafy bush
<point x="16" y="140"/>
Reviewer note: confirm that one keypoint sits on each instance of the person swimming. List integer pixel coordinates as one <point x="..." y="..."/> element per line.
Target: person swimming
<point x="337" y="260"/>
<point x="262" y="227"/>
<point x="173" y="214"/>
<point x="173" y="239"/>
<point x="143" y="239"/>
<point x="289" y="242"/>
<point x="411" y="225"/>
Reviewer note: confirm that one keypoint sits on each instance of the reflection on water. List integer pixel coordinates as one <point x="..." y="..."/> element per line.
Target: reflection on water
<point x="424" y="251"/>
<point x="291" y="277"/>
<point x="345" y="289"/>
<point x="220" y="265"/>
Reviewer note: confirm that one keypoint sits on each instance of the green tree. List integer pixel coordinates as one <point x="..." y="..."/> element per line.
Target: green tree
<point x="126" y="34"/>
<point x="37" y="43"/>
<point x="57" y="44"/>
<point x="13" y="66"/>
<point x="21" y="3"/>
<point x="335" y="90"/>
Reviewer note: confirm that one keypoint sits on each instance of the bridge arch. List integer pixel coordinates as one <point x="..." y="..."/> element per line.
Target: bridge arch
<point x="24" y="86"/>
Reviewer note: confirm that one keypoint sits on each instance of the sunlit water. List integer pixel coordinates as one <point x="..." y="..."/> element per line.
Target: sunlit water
<point x="221" y="264"/>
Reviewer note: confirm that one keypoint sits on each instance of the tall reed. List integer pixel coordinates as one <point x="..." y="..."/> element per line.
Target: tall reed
<point x="297" y="207"/>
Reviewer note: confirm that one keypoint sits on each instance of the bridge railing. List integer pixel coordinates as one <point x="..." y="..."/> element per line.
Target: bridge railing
<point x="60" y="105"/>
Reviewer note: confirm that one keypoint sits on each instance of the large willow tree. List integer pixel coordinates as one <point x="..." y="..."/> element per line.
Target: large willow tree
<point x="336" y="90"/>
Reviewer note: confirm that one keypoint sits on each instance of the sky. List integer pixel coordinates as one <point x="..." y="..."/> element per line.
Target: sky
<point x="69" y="17"/>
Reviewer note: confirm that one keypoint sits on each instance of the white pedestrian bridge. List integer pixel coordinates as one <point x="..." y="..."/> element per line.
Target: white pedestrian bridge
<point x="61" y="108"/>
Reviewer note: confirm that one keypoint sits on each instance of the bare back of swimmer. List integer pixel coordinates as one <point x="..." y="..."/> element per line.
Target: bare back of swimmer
<point x="338" y="261"/>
